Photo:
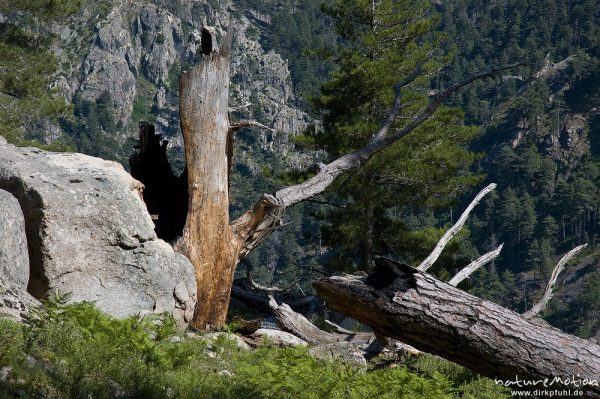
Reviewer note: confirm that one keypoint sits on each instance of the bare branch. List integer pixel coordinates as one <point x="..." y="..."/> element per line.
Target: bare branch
<point x="476" y="264"/>
<point x="256" y="224"/>
<point x="255" y="286"/>
<point x="435" y="254"/>
<point x="299" y="325"/>
<point x="245" y="225"/>
<point x="339" y="328"/>
<point x="233" y="109"/>
<point x="318" y="183"/>
<point x="541" y="305"/>
<point x="243" y="124"/>
<point x="397" y="105"/>
<point x="345" y="342"/>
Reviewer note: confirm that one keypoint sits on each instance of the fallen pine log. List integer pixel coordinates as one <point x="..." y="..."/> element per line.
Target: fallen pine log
<point x="403" y="303"/>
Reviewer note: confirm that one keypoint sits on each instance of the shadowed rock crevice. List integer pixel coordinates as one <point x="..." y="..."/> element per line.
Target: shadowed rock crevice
<point x="31" y="206"/>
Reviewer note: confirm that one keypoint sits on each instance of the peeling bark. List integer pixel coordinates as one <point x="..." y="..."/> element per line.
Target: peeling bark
<point x="403" y="303"/>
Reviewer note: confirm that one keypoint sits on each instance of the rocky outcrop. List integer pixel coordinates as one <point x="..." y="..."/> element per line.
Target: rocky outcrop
<point x="89" y="233"/>
<point x="14" y="259"/>
<point x="158" y="32"/>
<point x="572" y="142"/>
<point x="136" y="50"/>
<point x="111" y="66"/>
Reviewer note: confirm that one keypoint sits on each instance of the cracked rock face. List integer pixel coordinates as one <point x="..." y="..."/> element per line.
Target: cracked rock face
<point x="14" y="259"/>
<point x="89" y="233"/>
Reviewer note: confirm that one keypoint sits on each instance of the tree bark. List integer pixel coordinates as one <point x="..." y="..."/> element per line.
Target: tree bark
<point x="403" y="303"/>
<point x="208" y="240"/>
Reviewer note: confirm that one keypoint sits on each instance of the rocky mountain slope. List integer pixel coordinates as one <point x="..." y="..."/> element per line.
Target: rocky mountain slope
<point x="131" y="53"/>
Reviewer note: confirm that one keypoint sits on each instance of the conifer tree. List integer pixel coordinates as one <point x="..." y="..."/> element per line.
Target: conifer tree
<point x="384" y="43"/>
<point x="27" y="68"/>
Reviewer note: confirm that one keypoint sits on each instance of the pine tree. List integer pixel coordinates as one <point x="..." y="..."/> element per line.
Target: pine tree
<point x="383" y="43"/>
<point x="27" y="67"/>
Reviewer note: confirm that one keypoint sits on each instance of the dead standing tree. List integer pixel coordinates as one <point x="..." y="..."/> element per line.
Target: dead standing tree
<point x="213" y="243"/>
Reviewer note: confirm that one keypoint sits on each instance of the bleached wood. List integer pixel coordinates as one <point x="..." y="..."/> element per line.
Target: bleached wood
<point x="476" y="264"/>
<point x="543" y="302"/>
<point x="249" y="123"/>
<point x="317" y="184"/>
<point x="208" y="240"/>
<point x="289" y="196"/>
<point x="364" y="342"/>
<point x="435" y="254"/>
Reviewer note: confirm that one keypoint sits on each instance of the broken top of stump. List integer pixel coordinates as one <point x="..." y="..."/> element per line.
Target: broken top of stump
<point x="208" y="41"/>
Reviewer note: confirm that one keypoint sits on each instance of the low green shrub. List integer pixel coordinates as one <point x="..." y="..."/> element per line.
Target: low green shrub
<point x="76" y="351"/>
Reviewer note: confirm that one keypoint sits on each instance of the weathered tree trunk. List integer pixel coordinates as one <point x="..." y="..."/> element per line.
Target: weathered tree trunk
<point x="403" y="303"/>
<point x="208" y="240"/>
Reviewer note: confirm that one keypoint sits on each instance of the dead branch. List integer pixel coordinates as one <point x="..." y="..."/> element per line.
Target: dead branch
<point x="325" y="177"/>
<point x="435" y="254"/>
<point x="318" y="183"/>
<point x="541" y="305"/>
<point x="257" y="287"/>
<point x="476" y="264"/>
<point x="339" y="328"/>
<point x="256" y="224"/>
<point x="249" y="123"/>
<point x="299" y="325"/>
<point x="366" y="343"/>
<point x="257" y="300"/>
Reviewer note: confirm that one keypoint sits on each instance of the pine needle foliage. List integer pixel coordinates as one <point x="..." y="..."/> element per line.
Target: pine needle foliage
<point x="383" y="44"/>
<point x="28" y="104"/>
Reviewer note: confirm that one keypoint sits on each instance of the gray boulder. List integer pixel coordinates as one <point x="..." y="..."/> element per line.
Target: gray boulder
<point x="15" y="302"/>
<point x="90" y="234"/>
<point x="14" y="259"/>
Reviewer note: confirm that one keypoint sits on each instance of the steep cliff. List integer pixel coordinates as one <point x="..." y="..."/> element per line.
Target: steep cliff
<point x="132" y="52"/>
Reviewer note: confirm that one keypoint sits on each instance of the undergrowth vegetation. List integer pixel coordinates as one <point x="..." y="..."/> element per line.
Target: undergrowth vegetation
<point x="76" y="351"/>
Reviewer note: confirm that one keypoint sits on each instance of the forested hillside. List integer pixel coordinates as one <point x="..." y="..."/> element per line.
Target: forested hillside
<point x="539" y="140"/>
